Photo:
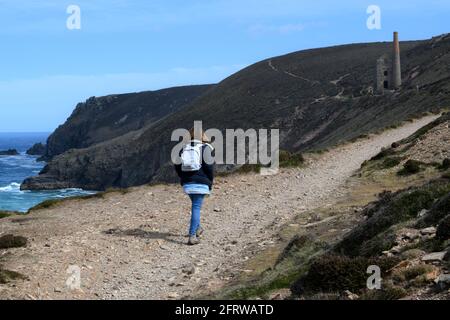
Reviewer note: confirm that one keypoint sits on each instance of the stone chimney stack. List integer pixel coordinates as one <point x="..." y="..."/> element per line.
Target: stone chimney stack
<point x="396" y="80"/>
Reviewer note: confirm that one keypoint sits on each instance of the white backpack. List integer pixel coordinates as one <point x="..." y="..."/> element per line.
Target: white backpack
<point x="191" y="157"/>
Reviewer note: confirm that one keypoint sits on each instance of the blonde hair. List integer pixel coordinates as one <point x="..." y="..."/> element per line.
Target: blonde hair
<point x="204" y="137"/>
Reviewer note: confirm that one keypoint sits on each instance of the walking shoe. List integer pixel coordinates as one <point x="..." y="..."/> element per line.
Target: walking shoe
<point x="200" y="231"/>
<point x="193" y="241"/>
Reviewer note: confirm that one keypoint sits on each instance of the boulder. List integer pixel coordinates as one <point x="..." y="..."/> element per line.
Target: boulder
<point x="428" y="231"/>
<point x="434" y="257"/>
<point x="443" y="282"/>
<point x="37" y="150"/>
<point x="9" y="152"/>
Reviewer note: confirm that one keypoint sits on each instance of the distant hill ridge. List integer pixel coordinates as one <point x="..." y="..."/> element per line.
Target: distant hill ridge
<point x="317" y="98"/>
<point x="103" y="118"/>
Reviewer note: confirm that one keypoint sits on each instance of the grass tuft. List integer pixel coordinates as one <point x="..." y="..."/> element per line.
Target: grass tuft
<point x="387" y="293"/>
<point x="411" y="167"/>
<point x="10" y="241"/>
<point x="7" y="276"/>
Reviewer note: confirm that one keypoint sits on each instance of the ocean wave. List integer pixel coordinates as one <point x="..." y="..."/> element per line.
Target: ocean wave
<point x="12" y="187"/>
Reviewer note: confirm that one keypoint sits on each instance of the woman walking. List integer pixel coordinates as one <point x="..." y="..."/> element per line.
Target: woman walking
<point x="196" y="172"/>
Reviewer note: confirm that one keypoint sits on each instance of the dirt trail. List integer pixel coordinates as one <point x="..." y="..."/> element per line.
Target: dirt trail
<point x="132" y="245"/>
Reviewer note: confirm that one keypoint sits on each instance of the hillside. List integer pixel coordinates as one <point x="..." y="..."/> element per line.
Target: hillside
<point x="317" y="98"/>
<point x="103" y="118"/>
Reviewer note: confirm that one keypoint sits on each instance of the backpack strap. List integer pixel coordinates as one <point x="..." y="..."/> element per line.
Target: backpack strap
<point x="208" y="145"/>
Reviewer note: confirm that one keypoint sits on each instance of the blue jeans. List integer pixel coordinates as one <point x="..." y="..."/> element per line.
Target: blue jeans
<point x="197" y="201"/>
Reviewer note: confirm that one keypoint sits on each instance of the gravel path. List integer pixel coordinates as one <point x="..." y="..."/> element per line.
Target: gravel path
<point x="132" y="245"/>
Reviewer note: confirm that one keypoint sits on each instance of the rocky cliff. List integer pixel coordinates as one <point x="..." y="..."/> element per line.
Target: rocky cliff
<point x="103" y="118"/>
<point x="37" y="149"/>
<point x="317" y="98"/>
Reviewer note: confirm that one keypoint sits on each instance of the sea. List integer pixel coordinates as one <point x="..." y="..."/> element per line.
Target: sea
<point x="14" y="169"/>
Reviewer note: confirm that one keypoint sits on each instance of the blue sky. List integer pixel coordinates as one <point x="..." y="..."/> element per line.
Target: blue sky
<point x="127" y="46"/>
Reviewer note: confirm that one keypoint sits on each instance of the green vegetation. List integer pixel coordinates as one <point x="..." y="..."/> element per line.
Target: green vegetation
<point x="360" y="137"/>
<point x="7" y="276"/>
<point x="10" y="241"/>
<point x="319" y="151"/>
<point x="412" y="273"/>
<point x="391" y="162"/>
<point x="379" y="243"/>
<point x="386" y="293"/>
<point x="5" y="214"/>
<point x="445" y="164"/>
<point x="446" y="175"/>
<point x="383" y="162"/>
<point x="281" y="282"/>
<point x="292" y="263"/>
<point x="331" y="273"/>
<point x="395" y="125"/>
<point x="247" y="168"/>
<point x="288" y="159"/>
<point x="433" y="245"/>
<point x="99" y="195"/>
<point x="383" y="153"/>
<point x="46" y="204"/>
<point x="411" y="167"/>
<point x="439" y="210"/>
<point x="391" y="209"/>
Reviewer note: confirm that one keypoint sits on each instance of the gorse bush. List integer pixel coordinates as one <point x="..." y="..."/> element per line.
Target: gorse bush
<point x="383" y="153"/>
<point x="10" y="241"/>
<point x="4" y="214"/>
<point x="288" y="159"/>
<point x="331" y="273"/>
<point x="46" y="204"/>
<point x="412" y="272"/>
<point x="391" y="162"/>
<point x="411" y="167"/>
<point x="438" y="211"/>
<point x="395" y="145"/>
<point x="445" y="164"/>
<point x="7" y="275"/>
<point x="443" y="229"/>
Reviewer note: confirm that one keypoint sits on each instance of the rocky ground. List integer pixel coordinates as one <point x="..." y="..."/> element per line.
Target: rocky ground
<point x="131" y="244"/>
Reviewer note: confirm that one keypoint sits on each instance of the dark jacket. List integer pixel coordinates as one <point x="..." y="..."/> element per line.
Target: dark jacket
<point x="203" y="176"/>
